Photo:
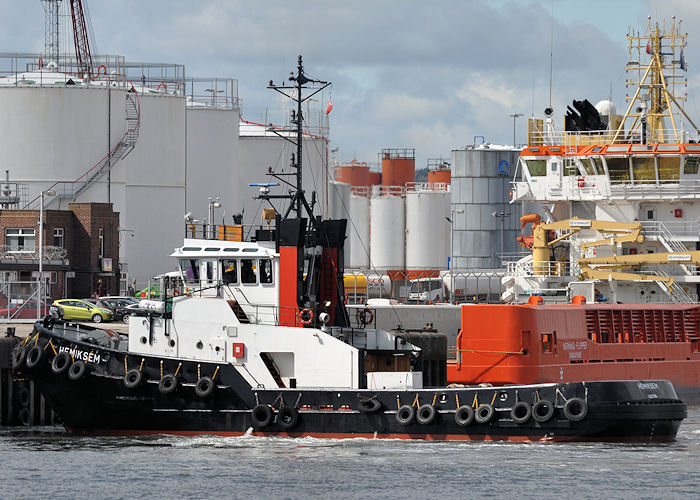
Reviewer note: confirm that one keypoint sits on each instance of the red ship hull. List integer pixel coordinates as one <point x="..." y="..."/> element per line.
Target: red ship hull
<point x="536" y="343"/>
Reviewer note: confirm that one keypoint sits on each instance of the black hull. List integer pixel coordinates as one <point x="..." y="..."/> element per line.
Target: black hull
<point x="100" y="403"/>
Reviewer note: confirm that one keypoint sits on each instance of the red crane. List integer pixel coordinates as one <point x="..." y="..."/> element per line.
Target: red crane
<point x="80" y="37"/>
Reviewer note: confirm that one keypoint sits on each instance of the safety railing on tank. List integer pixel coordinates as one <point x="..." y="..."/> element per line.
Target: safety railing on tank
<point x="443" y="187"/>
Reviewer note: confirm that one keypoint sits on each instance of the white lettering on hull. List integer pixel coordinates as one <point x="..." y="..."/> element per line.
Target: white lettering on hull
<point x="77" y="354"/>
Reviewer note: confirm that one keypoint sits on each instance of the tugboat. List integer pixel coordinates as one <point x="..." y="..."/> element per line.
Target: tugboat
<point x="253" y="337"/>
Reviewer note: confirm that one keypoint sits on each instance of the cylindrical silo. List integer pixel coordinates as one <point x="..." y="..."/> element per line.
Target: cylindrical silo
<point x="485" y="224"/>
<point x="353" y="173"/>
<point x="398" y="167"/>
<point x="339" y="208"/>
<point x="388" y="227"/>
<point x="440" y="175"/>
<point x="358" y="229"/>
<point x="427" y="229"/>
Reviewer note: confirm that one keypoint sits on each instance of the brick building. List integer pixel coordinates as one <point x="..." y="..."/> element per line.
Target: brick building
<point x="81" y="249"/>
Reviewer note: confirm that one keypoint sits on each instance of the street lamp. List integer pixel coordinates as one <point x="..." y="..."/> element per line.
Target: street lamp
<point x="46" y="192"/>
<point x="515" y="116"/>
<point x="213" y="203"/>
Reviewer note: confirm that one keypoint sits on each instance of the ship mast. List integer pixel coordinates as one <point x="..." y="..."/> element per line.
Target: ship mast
<point x="294" y="91"/>
<point x="656" y="82"/>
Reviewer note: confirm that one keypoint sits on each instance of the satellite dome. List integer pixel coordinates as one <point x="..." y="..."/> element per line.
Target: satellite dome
<point x="605" y="108"/>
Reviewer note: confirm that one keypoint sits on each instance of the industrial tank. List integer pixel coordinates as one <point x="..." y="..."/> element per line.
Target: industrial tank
<point x="388" y="226"/>
<point x="358" y="229"/>
<point x="353" y="173"/>
<point x="339" y="208"/>
<point x="427" y="229"/>
<point x="439" y="175"/>
<point x="398" y="166"/>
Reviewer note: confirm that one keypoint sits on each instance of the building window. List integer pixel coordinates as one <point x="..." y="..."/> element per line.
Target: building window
<point x="58" y="237"/>
<point x="101" y="237"/>
<point x="20" y="239"/>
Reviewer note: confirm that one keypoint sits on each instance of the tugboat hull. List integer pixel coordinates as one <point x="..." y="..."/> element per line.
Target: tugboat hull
<point x="102" y="396"/>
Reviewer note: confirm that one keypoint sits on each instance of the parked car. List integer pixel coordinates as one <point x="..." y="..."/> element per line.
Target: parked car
<point x="80" y="309"/>
<point x="119" y="306"/>
<point x="24" y="310"/>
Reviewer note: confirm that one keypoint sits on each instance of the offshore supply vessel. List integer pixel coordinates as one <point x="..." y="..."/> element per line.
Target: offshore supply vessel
<point x="617" y="229"/>
<point x="254" y="337"/>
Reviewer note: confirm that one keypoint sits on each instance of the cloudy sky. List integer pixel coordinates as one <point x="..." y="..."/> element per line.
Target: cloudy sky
<point x="429" y="75"/>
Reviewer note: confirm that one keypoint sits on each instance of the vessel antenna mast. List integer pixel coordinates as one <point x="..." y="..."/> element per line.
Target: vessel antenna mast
<point x="294" y="91"/>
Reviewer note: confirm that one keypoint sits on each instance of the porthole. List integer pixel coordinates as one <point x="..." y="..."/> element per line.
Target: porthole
<point x="144" y="340"/>
<point x="200" y="345"/>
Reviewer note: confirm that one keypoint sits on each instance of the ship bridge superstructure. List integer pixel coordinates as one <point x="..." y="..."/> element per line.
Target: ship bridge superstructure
<point x="638" y="166"/>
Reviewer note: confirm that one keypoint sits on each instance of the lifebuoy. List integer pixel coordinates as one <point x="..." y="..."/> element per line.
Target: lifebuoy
<point x="102" y="69"/>
<point x="484" y="413"/>
<point x="162" y="85"/>
<point x="426" y="414"/>
<point x="306" y="316"/>
<point x="133" y="378"/>
<point x="464" y="416"/>
<point x="575" y="409"/>
<point x="261" y="416"/>
<point x="542" y="411"/>
<point x="521" y="412"/>
<point x="581" y="182"/>
<point x="405" y="415"/>
<point x="77" y="370"/>
<point x="287" y="417"/>
<point x="204" y="387"/>
<point x="60" y="363"/>
<point x="369" y="405"/>
<point x="35" y="357"/>
<point x="167" y="384"/>
<point x="41" y="63"/>
<point x="366" y="316"/>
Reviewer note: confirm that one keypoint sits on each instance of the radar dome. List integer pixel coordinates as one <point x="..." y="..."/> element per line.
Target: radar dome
<point x="605" y="108"/>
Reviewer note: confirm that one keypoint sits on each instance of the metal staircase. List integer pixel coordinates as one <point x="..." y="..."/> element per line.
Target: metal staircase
<point x="675" y="291"/>
<point x="657" y="230"/>
<point x="71" y="190"/>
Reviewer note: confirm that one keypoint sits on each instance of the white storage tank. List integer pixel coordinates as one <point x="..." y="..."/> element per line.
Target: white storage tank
<point x="427" y="229"/>
<point x="358" y="228"/>
<point x="387" y="233"/>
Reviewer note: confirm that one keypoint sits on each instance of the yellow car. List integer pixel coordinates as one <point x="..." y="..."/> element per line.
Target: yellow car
<point x="79" y="309"/>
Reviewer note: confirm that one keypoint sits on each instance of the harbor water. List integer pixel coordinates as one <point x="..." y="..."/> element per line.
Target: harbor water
<point x="50" y="463"/>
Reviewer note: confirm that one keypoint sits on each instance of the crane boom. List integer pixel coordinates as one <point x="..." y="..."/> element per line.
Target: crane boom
<point x="80" y="37"/>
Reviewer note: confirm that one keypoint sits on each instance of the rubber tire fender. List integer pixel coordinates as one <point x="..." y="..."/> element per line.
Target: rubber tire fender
<point x="262" y="416"/>
<point x="167" y="384"/>
<point x="35" y="357"/>
<point x="204" y="387"/>
<point x="464" y="416"/>
<point x="369" y="406"/>
<point x="61" y="363"/>
<point x="542" y="411"/>
<point x="133" y="378"/>
<point x="521" y="412"/>
<point x="287" y="417"/>
<point x="77" y="370"/>
<point x="575" y="409"/>
<point x="484" y="413"/>
<point x="19" y="356"/>
<point x="426" y="414"/>
<point x="25" y="417"/>
<point x="405" y="415"/>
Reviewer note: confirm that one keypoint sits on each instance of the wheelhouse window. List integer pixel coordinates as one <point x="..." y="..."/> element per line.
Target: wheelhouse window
<point x="248" y="274"/>
<point x="618" y="168"/>
<point x="690" y="165"/>
<point x="229" y="271"/>
<point x="20" y="239"/>
<point x="669" y="168"/>
<point x="265" y="270"/>
<point x="190" y="268"/>
<point x="643" y="168"/>
<point x="537" y="168"/>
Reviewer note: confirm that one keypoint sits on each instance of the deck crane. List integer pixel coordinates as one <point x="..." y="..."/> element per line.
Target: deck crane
<point x="80" y="37"/>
